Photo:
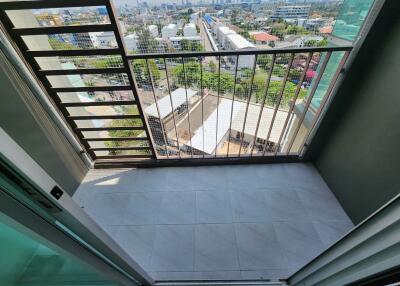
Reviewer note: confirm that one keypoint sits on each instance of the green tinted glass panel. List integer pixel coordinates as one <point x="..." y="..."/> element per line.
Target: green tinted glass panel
<point x="351" y="18"/>
<point x="27" y="260"/>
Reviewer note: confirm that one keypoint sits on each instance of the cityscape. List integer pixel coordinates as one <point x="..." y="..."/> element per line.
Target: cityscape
<point x="197" y="106"/>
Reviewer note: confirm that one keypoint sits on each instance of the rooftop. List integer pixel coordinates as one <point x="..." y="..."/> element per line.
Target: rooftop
<point x="240" y="42"/>
<point x="178" y="98"/>
<point x="263" y="36"/>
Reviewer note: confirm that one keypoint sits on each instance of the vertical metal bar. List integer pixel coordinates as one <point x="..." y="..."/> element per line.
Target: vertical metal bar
<point x="278" y="103"/>
<point x="202" y="99"/>
<point x="326" y="97"/>
<point x="308" y="102"/>
<point x="118" y="37"/>
<point x="43" y="81"/>
<point x="248" y="103"/>
<point x="218" y="91"/>
<point x="188" y="108"/>
<point x="158" y="109"/>
<point x="172" y="107"/>
<point x="233" y="101"/>
<point x="263" y="101"/>
<point x="296" y="94"/>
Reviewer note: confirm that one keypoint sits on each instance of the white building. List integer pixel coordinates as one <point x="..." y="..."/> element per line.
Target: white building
<point x="215" y="27"/>
<point x="226" y="112"/>
<point x="190" y="30"/>
<point x="222" y="33"/>
<point x="236" y="42"/>
<point x="103" y="39"/>
<point x="131" y="42"/>
<point x="176" y="41"/>
<point x="169" y="31"/>
<point x="153" y="29"/>
<point x="194" y="17"/>
<point x="291" y="12"/>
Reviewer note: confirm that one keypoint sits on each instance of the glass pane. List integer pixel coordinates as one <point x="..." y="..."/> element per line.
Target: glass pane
<point x="123" y="152"/>
<point x="69" y="16"/>
<point x="96" y="96"/>
<point x="103" y="110"/>
<point x="79" y="62"/>
<point x="29" y="260"/>
<point x="131" y="122"/>
<point x="351" y="18"/>
<point x="71" y="41"/>
<point x="88" y="80"/>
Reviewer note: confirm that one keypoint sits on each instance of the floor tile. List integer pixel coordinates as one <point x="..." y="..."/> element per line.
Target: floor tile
<point x="137" y="241"/>
<point x="248" y="206"/>
<point x="284" y="205"/>
<point x="108" y="209"/>
<point x="173" y="248"/>
<point x="258" y="247"/>
<point x="331" y="231"/>
<point x="299" y="242"/>
<point x="213" y="207"/>
<point x="143" y="208"/>
<point x="178" y="208"/>
<point x="322" y="205"/>
<point x="215" y="247"/>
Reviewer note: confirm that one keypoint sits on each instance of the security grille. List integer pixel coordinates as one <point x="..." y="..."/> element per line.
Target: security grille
<point x="169" y="105"/>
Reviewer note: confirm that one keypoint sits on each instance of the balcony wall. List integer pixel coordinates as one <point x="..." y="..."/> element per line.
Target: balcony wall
<point x="22" y="117"/>
<point x="356" y="147"/>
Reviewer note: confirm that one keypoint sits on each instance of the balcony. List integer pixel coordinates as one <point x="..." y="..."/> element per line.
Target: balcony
<point x="177" y="110"/>
<point x="252" y="222"/>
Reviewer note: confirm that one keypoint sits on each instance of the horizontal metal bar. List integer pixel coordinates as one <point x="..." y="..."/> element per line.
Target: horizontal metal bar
<point x="120" y="148"/>
<point x="77" y="52"/>
<point x="63" y="29"/>
<point x="91" y="88"/>
<point x="83" y="71"/>
<point x="89" y="117"/>
<point x="124" y="157"/>
<point x="43" y="4"/>
<point x="82" y="129"/>
<point x="98" y="103"/>
<point x="117" y="139"/>
<point x="241" y="52"/>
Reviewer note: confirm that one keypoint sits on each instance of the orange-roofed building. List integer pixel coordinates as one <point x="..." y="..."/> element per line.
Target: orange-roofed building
<point x="326" y="30"/>
<point x="263" y="38"/>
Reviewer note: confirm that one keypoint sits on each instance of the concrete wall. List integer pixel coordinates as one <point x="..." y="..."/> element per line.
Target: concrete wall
<point x="356" y="149"/>
<point x="23" y="118"/>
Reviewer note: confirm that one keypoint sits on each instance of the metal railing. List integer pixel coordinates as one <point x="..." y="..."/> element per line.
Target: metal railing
<point x="191" y="105"/>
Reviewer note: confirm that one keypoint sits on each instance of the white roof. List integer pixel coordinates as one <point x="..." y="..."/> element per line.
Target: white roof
<point x="170" y="26"/>
<point x="224" y="117"/>
<point x="239" y="42"/>
<point x="190" y="25"/>
<point x="178" y="97"/>
<point x="191" y="38"/>
<point x="225" y="30"/>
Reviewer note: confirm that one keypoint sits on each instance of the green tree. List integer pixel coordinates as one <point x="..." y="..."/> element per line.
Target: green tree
<point x="146" y="43"/>
<point x="131" y="122"/>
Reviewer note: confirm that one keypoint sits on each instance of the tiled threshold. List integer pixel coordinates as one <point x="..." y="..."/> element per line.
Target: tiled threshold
<point x="216" y="223"/>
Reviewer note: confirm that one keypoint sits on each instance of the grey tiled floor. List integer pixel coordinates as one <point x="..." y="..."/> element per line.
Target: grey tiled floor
<point x="220" y="222"/>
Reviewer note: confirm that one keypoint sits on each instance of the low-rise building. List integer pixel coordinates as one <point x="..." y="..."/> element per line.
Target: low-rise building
<point x="131" y="42"/>
<point x="291" y="12"/>
<point x="236" y="42"/>
<point x="176" y="42"/>
<point x="169" y="31"/>
<point x="222" y="33"/>
<point x="153" y="29"/>
<point x="190" y="30"/>
<point x="263" y="38"/>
